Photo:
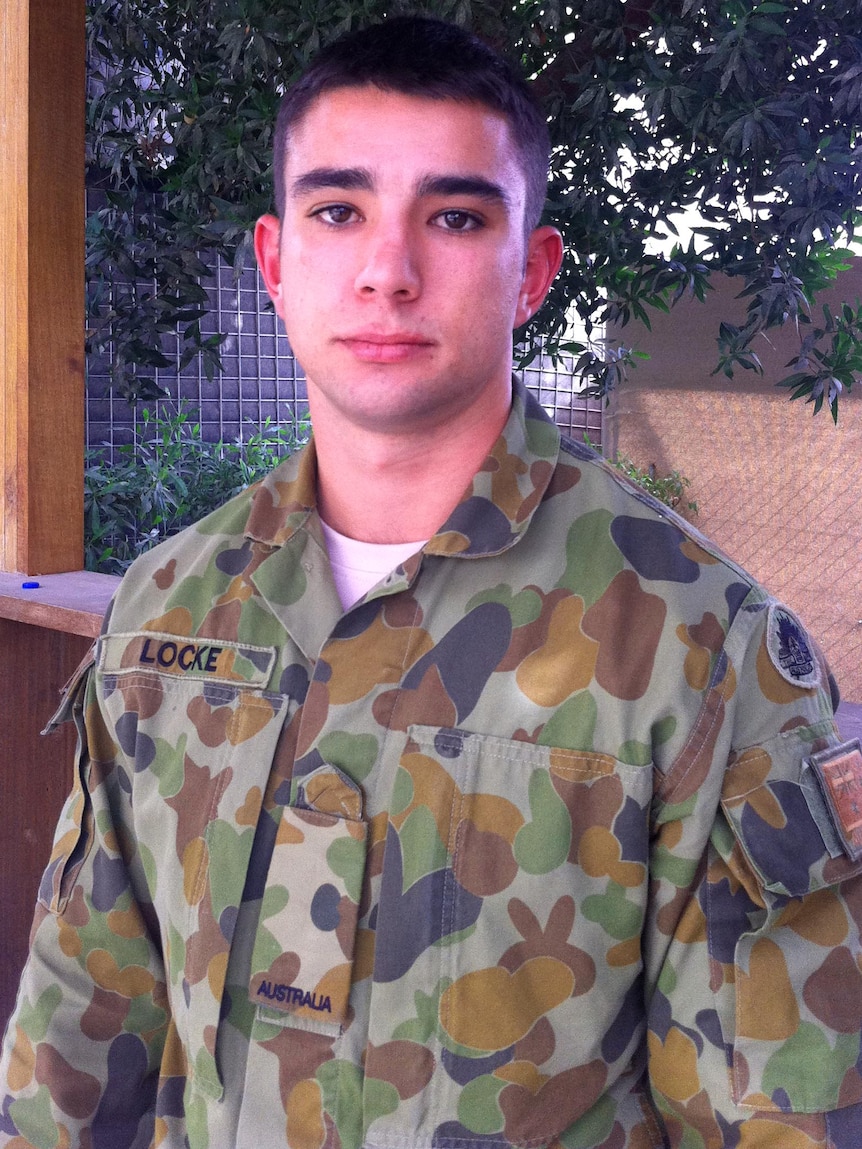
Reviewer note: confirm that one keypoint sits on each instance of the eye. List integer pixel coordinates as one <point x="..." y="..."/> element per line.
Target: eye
<point x="455" y="220"/>
<point x="336" y="214"/>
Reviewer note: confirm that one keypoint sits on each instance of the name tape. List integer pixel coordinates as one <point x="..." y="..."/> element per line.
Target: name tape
<point x="173" y="655"/>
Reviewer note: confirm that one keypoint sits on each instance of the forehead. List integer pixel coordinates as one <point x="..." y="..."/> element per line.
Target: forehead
<point x="369" y="127"/>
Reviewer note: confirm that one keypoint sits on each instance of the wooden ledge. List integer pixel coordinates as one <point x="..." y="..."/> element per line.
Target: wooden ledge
<point x="73" y="602"/>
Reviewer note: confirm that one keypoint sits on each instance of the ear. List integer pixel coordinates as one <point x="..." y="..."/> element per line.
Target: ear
<point x="544" y="256"/>
<point x="267" y="249"/>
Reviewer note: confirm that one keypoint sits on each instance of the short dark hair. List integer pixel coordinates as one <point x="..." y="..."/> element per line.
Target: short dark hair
<point x="421" y="56"/>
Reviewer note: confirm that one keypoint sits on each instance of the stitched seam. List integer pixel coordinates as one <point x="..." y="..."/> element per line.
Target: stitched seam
<point x="666" y="791"/>
<point x="448" y="914"/>
<point x="519" y="752"/>
<point x="821" y="726"/>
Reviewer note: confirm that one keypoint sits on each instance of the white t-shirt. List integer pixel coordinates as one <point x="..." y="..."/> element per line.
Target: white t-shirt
<point x="357" y="566"/>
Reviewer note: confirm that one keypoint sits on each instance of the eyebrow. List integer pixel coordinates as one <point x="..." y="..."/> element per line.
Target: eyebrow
<point x="348" y="179"/>
<point x="476" y="186"/>
<point x="361" y="179"/>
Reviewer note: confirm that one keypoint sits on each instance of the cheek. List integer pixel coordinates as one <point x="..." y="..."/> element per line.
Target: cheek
<point x="302" y="293"/>
<point x="508" y="278"/>
<point x="486" y="331"/>
<point x="300" y="267"/>
<point x="485" y="290"/>
<point x="506" y="299"/>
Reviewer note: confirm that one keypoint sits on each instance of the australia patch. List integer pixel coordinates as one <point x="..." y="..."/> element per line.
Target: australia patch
<point x="790" y="648"/>
<point x="839" y="772"/>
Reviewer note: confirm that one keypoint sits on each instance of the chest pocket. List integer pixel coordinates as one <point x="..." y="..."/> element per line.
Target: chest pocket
<point x="510" y="911"/>
<point x="198" y="733"/>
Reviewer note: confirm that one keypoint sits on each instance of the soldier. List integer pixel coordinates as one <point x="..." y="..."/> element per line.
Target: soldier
<point x="443" y="789"/>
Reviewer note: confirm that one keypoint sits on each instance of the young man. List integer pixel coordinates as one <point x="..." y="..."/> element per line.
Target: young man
<point x="443" y="790"/>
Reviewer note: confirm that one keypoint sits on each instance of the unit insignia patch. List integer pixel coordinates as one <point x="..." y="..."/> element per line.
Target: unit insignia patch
<point x="790" y="648"/>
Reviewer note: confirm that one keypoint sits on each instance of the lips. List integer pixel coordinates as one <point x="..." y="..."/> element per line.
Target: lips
<point x="388" y="347"/>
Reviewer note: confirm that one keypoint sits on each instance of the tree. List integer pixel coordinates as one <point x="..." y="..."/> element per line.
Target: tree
<point x="746" y="113"/>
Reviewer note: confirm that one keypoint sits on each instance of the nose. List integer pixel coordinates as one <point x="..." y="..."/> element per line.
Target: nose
<point x="390" y="265"/>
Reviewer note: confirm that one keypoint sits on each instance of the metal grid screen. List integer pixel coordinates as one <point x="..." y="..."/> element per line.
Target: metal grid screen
<point x="560" y="392"/>
<point x="260" y="380"/>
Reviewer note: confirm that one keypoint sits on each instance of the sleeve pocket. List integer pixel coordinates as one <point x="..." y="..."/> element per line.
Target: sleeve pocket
<point x="777" y="812"/>
<point x="791" y="986"/>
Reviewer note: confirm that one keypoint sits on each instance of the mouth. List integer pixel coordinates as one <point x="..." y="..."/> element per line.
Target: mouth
<point x="389" y="347"/>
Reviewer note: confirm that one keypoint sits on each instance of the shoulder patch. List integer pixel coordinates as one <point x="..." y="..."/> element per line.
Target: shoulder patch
<point x="839" y="772"/>
<point x="790" y="649"/>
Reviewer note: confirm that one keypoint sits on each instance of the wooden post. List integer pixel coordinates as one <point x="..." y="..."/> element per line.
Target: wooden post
<point x="42" y="76"/>
<point x="43" y="632"/>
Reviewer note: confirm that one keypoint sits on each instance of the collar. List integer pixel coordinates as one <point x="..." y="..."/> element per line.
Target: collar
<point x="491" y="516"/>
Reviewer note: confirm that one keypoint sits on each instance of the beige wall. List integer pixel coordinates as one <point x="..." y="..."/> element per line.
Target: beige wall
<point x="777" y="489"/>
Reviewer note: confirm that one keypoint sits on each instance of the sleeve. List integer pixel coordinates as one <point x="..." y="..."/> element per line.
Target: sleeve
<point x="756" y="1016"/>
<point x="82" y="1050"/>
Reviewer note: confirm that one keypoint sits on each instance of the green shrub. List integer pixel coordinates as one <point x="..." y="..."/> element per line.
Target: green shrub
<point x="668" y="489"/>
<point x="168" y="478"/>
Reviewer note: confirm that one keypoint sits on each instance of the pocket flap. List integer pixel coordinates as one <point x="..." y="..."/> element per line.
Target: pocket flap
<point x="72" y="691"/>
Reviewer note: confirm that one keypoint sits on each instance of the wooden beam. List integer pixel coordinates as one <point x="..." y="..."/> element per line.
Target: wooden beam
<point x="73" y="603"/>
<point x="42" y="76"/>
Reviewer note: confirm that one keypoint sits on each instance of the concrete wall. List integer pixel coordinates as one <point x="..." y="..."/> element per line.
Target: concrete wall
<point x="777" y="489"/>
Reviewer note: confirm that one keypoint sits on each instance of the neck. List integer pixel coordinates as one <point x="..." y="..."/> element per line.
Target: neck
<point x="385" y="488"/>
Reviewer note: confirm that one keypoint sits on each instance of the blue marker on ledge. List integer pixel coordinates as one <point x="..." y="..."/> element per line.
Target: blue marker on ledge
<point x="31" y="585"/>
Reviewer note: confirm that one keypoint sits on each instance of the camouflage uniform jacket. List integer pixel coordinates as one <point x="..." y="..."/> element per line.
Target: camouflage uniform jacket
<point x="546" y="842"/>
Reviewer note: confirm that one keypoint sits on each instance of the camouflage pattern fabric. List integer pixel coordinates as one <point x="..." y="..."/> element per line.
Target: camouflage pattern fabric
<point x="546" y="842"/>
